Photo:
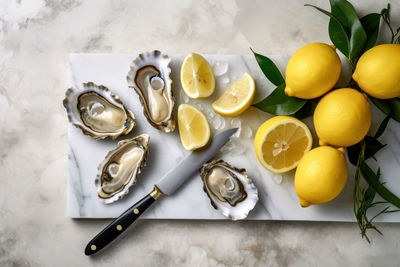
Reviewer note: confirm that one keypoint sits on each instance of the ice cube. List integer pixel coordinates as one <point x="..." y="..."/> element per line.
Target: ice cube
<point x="220" y="68"/>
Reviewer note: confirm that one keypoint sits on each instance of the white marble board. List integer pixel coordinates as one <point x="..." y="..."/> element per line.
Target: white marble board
<point x="278" y="200"/>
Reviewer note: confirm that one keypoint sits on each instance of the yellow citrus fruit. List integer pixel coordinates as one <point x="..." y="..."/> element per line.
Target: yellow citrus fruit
<point x="281" y="142"/>
<point x="321" y="175"/>
<point x="197" y="77"/>
<point x="342" y="117"/>
<point x="237" y="98"/>
<point x="378" y="71"/>
<point x="312" y="71"/>
<point x="193" y="127"/>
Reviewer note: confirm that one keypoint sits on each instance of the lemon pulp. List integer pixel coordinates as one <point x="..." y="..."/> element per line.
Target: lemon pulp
<point x="237" y="98"/>
<point x="194" y="129"/>
<point x="281" y="142"/>
<point x="197" y="77"/>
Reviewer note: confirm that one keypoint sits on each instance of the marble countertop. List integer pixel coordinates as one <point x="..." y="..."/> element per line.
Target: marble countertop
<point x="36" y="37"/>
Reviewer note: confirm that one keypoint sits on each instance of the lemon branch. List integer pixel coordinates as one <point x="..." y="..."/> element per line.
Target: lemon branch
<point x="363" y="199"/>
<point x="385" y="13"/>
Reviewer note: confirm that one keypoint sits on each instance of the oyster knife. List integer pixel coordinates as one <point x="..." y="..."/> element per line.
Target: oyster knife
<point x="167" y="185"/>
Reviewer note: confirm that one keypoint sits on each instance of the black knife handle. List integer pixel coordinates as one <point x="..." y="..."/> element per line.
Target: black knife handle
<point x="120" y="224"/>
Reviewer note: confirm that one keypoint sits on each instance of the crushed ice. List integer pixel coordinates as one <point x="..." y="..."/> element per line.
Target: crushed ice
<point x="220" y="68"/>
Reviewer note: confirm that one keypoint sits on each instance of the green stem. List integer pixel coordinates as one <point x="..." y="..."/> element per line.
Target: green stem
<point x="390" y="27"/>
<point x="357" y="194"/>
<point x="352" y="64"/>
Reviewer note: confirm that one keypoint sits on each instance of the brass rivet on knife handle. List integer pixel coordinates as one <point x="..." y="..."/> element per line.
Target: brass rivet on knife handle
<point x="136" y="211"/>
<point x="156" y="193"/>
<point x="115" y="228"/>
<point x="170" y="183"/>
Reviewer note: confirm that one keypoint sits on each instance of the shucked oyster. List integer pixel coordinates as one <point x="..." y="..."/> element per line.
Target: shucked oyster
<point x="230" y="190"/>
<point x="120" y="168"/>
<point x="98" y="112"/>
<point x="149" y="76"/>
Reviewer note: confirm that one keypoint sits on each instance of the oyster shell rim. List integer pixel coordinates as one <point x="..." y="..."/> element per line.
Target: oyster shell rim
<point x="171" y="125"/>
<point x="144" y="139"/>
<point x="243" y="172"/>
<point x="81" y="126"/>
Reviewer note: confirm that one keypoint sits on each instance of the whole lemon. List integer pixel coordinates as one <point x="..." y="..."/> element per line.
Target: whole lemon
<point x="378" y="71"/>
<point x="312" y="71"/>
<point x="321" y="175"/>
<point x="342" y="117"/>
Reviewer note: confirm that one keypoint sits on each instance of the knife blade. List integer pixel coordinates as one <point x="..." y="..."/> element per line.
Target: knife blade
<point x="167" y="185"/>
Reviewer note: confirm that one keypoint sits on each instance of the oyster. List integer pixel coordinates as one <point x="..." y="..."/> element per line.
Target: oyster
<point x="97" y="111"/>
<point x="149" y="77"/>
<point x="230" y="190"/>
<point x="120" y="168"/>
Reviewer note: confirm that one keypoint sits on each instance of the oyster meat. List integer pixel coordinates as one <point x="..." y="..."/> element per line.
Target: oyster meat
<point x="230" y="190"/>
<point x="97" y="111"/>
<point x="120" y="168"/>
<point x="149" y="77"/>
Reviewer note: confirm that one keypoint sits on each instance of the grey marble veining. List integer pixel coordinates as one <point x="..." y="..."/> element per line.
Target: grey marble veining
<point x="165" y="150"/>
<point x="36" y="38"/>
<point x="278" y="200"/>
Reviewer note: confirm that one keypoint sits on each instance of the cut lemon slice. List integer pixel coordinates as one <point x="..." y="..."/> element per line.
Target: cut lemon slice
<point x="197" y="77"/>
<point x="193" y="127"/>
<point x="237" y="98"/>
<point x="281" y="142"/>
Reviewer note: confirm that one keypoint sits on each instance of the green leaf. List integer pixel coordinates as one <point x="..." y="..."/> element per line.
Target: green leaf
<point x="269" y="69"/>
<point x="307" y="110"/>
<point x="337" y="33"/>
<point x="382" y="126"/>
<point x="338" y="36"/>
<point x="353" y="153"/>
<point x="388" y="106"/>
<point x="372" y="146"/>
<point x="373" y="180"/>
<point x="370" y="24"/>
<point x="366" y="203"/>
<point x="278" y="103"/>
<point x="345" y="13"/>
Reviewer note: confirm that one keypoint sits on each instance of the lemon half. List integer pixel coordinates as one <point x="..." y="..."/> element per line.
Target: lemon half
<point x="194" y="129"/>
<point x="281" y="142"/>
<point x="197" y="77"/>
<point x="237" y="98"/>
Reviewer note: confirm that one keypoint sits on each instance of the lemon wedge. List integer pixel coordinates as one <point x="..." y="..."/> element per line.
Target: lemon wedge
<point x="237" y="98"/>
<point x="281" y="142"/>
<point x="197" y="77"/>
<point x="193" y="127"/>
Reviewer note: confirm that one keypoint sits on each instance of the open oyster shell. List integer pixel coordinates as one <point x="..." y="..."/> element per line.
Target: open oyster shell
<point x="230" y="190"/>
<point x="97" y="111"/>
<point x="120" y="168"/>
<point x="149" y="77"/>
